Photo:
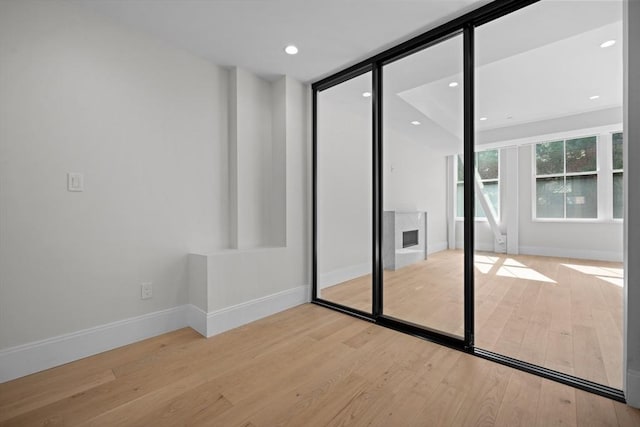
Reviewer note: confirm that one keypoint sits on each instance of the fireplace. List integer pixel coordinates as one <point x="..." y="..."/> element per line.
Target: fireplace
<point x="404" y="238"/>
<point x="409" y="238"/>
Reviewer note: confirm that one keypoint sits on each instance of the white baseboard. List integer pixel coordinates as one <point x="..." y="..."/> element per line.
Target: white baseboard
<point x="218" y="321"/>
<point x="197" y="319"/>
<point x="16" y="362"/>
<point x="572" y="253"/>
<point x="343" y="274"/>
<point x="632" y="391"/>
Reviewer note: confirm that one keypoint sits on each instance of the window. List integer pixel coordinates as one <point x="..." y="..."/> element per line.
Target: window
<point x="488" y="167"/>
<point x="567" y="178"/>
<point x="618" y="189"/>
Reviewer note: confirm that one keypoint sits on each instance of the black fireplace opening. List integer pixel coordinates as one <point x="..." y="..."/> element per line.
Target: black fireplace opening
<point x="409" y="238"/>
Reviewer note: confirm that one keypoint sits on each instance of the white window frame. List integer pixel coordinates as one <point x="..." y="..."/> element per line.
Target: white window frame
<point x="565" y="174"/>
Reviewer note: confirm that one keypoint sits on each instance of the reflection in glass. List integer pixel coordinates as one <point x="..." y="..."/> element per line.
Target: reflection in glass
<point x="618" y="195"/>
<point x="423" y="280"/>
<point x="617" y="150"/>
<point x="582" y="196"/>
<point x="550" y="197"/>
<point x="554" y="246"/>
<point x="618" y="189"/>
<point x="582" y="155"/>
<point x="550" y="158"/>
<point x="344" y="193"/>
<point x="488" y="166"/>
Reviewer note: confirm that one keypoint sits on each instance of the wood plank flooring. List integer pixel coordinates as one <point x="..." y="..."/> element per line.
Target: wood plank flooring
<point x="561" y="313"/>
<point x="307" y="366"/>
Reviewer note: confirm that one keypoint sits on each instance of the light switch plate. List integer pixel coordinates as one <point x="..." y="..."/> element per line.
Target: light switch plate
<point x="75" y="181"/>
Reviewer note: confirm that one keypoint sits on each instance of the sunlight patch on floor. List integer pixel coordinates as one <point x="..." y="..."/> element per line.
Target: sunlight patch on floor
<point x="525" y="273"/>
<point x="484" y="263"/>
<point x="618" y="281"/>
<point x="597" y="271"/>
<point x="483" y="268"/>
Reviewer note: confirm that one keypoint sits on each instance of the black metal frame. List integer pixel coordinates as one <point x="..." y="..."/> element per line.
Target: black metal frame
<point x="464" y="25"/>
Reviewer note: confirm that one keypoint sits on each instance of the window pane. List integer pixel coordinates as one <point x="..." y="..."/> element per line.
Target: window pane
<point x="617" y="150"/>
<point x="549" y="158"/>
<point x="488" y="164"/>
<point x="581" y="154"/>
<point x="618" y="195"/>
<point x="491" y="189"/>
<point x="550" y="197"/>
<point x="479" y="211"/>
<point x="582" y="196"/>
<point x="460" y="200"/>
<point x="460" y="168"/>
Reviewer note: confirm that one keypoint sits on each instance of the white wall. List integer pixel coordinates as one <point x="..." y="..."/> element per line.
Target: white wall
<point x="148" y="126"/>
<point x="415" y="179"/>
<point x="593" y="240"/>
<point x="258" y="203"/>
<point x="344" y="193"/>
<point x="599" y="240"/>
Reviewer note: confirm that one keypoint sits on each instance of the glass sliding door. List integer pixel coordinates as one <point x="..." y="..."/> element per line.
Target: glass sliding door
<point x="344" y="194"/>
<point x="548" y="265"/>
<point x="422" y="229"/>
<point x="468" y="188"/>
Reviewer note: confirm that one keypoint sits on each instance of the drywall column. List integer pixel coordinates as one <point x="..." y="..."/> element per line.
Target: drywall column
<point x="632" y="201"/>
<point x="251" y="162"/>
<point x="278" y="202"/>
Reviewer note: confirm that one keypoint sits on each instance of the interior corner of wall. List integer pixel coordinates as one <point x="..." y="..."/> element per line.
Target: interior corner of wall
<point x="197" y="281"/>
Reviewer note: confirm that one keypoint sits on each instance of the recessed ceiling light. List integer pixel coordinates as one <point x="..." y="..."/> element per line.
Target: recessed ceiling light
<point x="482" y="119"/>
<point x="453" y="84"/>
<point x="415" y="123"/>
<point x="594" y="97"/>
<point x="366" y="94"/>
<point x="291" y="49"/>
<point x="608" y="43"/>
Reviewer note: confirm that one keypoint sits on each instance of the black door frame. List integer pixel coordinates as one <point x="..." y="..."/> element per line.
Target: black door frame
<point x="464" y="25"/>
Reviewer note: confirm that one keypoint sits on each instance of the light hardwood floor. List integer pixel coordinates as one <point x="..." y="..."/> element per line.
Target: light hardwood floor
<point x="560" y="313"/>
<point x="307" y="366"/>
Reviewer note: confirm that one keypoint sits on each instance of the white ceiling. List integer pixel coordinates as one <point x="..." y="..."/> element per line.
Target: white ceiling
<point x="535" y="66"/>
<point x="539" y="63"/>
<point x="554" y="80"/>
<point x="331" y="34"/>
